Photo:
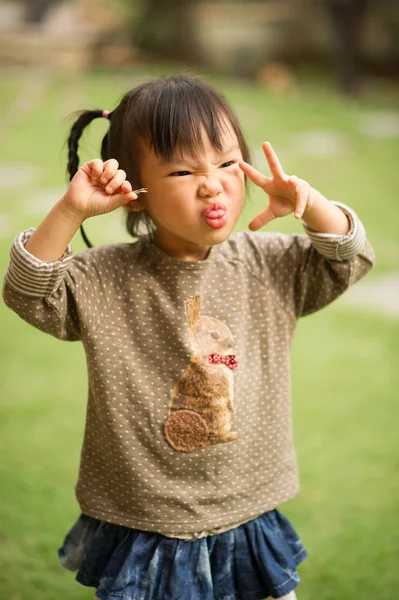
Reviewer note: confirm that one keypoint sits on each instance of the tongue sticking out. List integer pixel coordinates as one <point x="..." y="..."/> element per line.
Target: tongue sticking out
<point x="218" y="222"/>
<point x="215" y="214"/>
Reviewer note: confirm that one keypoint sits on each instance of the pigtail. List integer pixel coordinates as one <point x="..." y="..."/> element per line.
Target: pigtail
<point x="85" y="117"/>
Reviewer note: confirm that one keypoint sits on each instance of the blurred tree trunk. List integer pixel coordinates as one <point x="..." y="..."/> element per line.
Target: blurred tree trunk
<point x="347" y="17"/>
<point x="166" y="28"/>
<point x="35" y="10"/>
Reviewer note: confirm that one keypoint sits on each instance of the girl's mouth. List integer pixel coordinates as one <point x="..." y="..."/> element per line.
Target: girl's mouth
<point x="215" y="215"/>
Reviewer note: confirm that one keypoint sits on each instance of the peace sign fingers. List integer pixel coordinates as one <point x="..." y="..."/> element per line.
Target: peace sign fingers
<point x="268" y="184"/>
<point x="274" y="164"/>
<point x="286" y="194"/>
<point x="255" y="176"/>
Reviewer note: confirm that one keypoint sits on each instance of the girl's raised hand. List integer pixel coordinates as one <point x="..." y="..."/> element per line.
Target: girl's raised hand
<point x="286" y="194"/>
<point x="97" y="188"/>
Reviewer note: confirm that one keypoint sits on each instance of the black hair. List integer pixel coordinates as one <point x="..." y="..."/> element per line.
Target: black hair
<point x="167" y="114"/>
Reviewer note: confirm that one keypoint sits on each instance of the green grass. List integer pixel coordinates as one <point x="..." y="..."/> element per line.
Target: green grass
<point x="345" y="375"/>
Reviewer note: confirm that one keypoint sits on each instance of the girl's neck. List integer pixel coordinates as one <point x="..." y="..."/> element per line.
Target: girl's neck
<point x="175" y="249"/>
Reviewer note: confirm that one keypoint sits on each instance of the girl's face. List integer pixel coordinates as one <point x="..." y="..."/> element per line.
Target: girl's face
<point x="179" y="191"/>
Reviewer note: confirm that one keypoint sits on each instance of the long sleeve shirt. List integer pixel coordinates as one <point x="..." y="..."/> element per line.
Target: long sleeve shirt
<point x="188" y="429"/>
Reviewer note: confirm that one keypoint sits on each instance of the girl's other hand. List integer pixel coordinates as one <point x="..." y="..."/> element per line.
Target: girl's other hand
<point x="98" y="188"/>
<point x="286" y="194"/>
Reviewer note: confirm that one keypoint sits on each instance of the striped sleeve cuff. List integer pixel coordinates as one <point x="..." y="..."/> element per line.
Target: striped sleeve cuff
<point x="31" y="276"/>
<point x="336" y="246"/>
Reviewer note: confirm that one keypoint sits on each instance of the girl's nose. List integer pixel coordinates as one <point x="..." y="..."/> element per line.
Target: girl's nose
<point x="210" y="186"/>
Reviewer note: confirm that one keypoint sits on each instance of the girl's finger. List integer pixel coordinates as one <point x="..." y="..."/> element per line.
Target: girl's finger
<point x="116" y="181"/>
<point x="110" y="168"/>
<point x="253" y="174"/>
<point x="119" y="199"/>
<point x="93" y="168"/>
<point x="274" y="164"/>
<point x="126" y="187"/>
<point x="129" y="197"/>
<point x="262" y="219"/>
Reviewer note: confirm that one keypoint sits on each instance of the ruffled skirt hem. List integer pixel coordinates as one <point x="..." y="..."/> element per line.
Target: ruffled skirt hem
<point x="251" y="562"/>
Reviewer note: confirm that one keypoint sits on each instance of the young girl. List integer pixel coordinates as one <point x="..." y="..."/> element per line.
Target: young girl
<point x="188" y="449"/>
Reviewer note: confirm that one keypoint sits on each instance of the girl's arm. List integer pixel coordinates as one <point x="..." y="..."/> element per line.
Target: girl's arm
<point x="66" y="298"/>
<point x="307" y="272"/>
<point x="97" y="188"/>
<point x="45" y="284"/>
<point x="323" y="216"/>
<point x="52" y="237"/>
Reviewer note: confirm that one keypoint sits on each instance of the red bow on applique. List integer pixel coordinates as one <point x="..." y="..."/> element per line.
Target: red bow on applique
<point x="229" y="360"/>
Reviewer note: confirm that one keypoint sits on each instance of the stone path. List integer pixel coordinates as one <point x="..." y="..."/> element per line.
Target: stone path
<point x="14" y="176"/>
<point x="323" y="143"/>
<point x="379" y="124"/>
<point x="380" y="293"/>
<point x="41" y="201"/>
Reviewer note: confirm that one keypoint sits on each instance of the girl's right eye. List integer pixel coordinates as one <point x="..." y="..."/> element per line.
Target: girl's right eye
<point x="180" y="173"/>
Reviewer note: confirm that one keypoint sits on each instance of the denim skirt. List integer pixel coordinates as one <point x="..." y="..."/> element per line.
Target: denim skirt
<point x="251" y="562"/>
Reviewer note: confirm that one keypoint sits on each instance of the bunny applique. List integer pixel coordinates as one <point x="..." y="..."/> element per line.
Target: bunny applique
<point x="201" y="405"/>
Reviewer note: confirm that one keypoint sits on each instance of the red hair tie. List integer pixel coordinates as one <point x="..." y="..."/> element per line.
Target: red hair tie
<point x="105" y="114"/>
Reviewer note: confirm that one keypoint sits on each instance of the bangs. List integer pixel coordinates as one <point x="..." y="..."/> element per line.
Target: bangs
<point x="175" y="113"/>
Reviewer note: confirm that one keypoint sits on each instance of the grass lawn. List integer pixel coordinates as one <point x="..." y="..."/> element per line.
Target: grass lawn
<point x="344" y="360"/>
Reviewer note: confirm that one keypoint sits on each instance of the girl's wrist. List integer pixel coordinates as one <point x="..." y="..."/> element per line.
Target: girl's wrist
<point x="314" y="200"/>
<point x="323" y="216"/>
<point x="70" y="213"/>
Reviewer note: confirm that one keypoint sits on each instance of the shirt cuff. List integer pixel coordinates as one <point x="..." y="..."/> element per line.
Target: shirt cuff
<point x="31" y="276"/>
<point x="336" y="246"/>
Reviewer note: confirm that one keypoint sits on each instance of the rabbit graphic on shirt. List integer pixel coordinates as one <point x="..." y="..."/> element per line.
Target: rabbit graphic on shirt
<point x="202" y="402"/>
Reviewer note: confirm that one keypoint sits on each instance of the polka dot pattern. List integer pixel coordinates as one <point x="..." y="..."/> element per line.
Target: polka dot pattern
<point x="126" y="303"/>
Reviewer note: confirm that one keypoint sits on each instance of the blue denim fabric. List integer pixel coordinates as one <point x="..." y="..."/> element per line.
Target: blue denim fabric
<point x="251" y="562"/>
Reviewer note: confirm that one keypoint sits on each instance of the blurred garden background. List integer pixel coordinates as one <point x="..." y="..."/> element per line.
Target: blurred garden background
<point x="319" y="80"/>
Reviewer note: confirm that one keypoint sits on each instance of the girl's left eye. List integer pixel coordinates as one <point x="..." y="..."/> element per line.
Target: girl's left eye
<point x="184" y="173"/>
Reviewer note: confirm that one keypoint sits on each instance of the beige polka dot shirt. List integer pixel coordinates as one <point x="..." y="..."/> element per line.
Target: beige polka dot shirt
<point x="188" y="427"/>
